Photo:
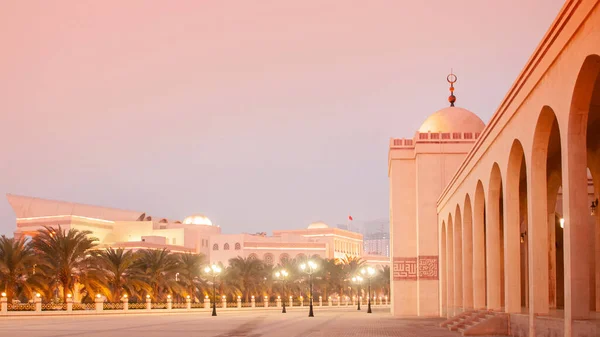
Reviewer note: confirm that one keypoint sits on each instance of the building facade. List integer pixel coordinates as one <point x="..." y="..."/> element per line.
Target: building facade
<point x="195" y="234"/>
<point x="504" y="217"/>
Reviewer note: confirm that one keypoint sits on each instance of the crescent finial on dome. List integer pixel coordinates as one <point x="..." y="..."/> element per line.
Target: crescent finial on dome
<point x="451" y="78"/>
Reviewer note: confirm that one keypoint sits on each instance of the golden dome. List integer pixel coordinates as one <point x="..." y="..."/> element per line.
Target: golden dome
<point x="452" y="119"/>
<point x="197" y="219"/>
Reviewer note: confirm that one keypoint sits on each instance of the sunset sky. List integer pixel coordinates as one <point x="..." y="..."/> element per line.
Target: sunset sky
<point x="260" y="114"/>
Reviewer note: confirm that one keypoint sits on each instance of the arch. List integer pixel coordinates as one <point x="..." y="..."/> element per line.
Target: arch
<point x="537" y="217"/>
<point x="163" y="220"/>
<point x="467" y="254"/>
<point x="253" y="256"/>
<point x="268" y="259"/>
<point x="512" y="227"/>
<point x="237" y="246"/>
<point x="284" y="258"/>
<point x="300" y="257"/>
<point x="493" y="242"/>
<point x="450" y="266"/>
<point x="578" y="262"/>
<point x="216" y="246"/>
<point x="479" y="251"/>
<point x="458" y="286"/>
<point x="226" y="246"/>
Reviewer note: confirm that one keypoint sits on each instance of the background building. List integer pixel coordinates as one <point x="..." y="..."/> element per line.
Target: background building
<point x="196" y="233"/>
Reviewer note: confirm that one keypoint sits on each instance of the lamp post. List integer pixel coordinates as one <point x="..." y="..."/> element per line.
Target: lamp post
<point x="213" y="270"/>
<point x="309" y="268"/>
<point x="368" y="272"/>
<point x="282" y="275"/>
<point x="357" y="280"/>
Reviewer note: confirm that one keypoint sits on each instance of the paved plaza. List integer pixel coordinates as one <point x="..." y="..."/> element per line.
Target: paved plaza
<point x="329" y="323"/>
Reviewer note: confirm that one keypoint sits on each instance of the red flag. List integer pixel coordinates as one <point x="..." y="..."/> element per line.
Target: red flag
<point x="350" y="217"/>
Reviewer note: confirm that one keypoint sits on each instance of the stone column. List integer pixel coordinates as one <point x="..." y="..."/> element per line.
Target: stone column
<point x="458" y="286"/>
<point x="125" y="301"/>
<point x="252" y="302"/>
<point x="224" y="302"/>
<point x="301" y="301"/>
<point x="537" y="239"/>
<point x="492" y="241"/>
<point x="467" y="256"/>
<point x="450" y="269"/>
<point x="330" y="301"/>
<point x="278" y="302"/>
<point x="353" y="300"/>
<point x="320" y="301"/>
<point x="169" y="303"/>
<point x="346" y="300"/>
<point x="38" y="303"/>
<point x="266" y="301"/>
<point x="339" y="300"/>
<point x="188" y="303"/>
<point x="577" y="232"/>
<point x="478" y="250"/>
<point x="3" y="304"/>
<point x="206" y="302"/>
<point x="148" y="303"/>
<point x="239" y="302"/>
<point x="291" y="301"/>
<point x="99" y="303"/>
<point x="512" y="244"/>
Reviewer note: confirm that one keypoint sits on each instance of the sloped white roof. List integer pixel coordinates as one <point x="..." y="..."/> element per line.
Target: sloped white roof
<point x="29" y="207"/>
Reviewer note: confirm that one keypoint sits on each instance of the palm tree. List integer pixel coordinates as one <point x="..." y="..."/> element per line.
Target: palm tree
<point x="16" y="262"/>
<point x="157" y="267"/>
<point x="62" y="255"/>
<point x="247" y="274"/>
<point x="116" y="267"/>
<point x="189" y="268"/>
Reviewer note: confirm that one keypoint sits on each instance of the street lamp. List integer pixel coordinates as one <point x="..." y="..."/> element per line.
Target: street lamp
<point x="213" y="270"/>
<point x="368" y="272"/>
<point x="282" y="275"/>
<point x="358" y="280"/>
<point x="309" y="268"/>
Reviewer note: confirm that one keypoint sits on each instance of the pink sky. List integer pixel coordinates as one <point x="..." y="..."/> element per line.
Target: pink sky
<point x="260" y="114"/>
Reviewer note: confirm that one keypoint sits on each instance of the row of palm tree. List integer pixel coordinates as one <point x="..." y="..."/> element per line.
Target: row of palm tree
<point x="57" y="262"/>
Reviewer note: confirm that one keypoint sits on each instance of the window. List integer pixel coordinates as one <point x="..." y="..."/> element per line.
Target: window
<point x="215" y="247"/>
<point x="226" y="246"/>
<point x="268" y="259"/>
<point x="238" y="246"/>
<point x="174" y="241"/>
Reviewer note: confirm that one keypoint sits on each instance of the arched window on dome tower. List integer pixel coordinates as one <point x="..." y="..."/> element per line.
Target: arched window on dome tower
<point x="226" y="246"/>
<point x="238" y="246"/>
<point x="216" y="246"/>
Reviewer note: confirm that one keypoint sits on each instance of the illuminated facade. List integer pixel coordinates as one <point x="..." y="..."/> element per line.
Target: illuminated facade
<point x="196" y="233"/>
<point x="505" y="217"/>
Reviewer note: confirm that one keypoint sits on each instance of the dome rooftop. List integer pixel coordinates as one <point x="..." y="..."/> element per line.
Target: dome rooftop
<point x="197" y="219"/>
<point x="317" y="225"/>
<point x="452" y="119"/>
